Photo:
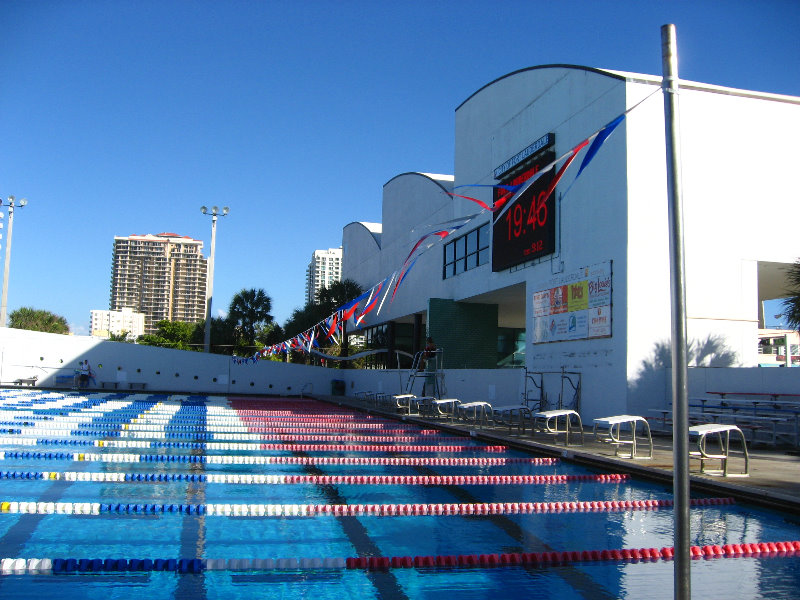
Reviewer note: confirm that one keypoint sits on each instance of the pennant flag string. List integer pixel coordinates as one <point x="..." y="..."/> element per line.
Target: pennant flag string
<point x="385" y="294"/>
<point x="402" y="277"/>
<point x="371" y="302"/>
<point x="563" y="168"/>
<point x="598" y="141"/>
<point x="329" y="328"/>
<point x="448" y="223"/>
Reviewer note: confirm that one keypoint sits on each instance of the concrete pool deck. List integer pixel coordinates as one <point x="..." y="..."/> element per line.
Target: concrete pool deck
<point x="774" y="479"/>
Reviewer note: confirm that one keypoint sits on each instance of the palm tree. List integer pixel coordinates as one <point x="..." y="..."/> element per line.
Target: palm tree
<point x="249" y="310"/>
<point x="339" y="292"/>
<point x="791" y="305"/>
<point x="37" y="320"/>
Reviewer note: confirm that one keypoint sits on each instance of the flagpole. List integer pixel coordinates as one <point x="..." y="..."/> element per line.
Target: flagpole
<point x="680" y="387"/>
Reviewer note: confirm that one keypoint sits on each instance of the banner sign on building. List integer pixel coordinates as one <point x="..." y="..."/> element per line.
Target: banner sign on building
<point x="577" y="306"/>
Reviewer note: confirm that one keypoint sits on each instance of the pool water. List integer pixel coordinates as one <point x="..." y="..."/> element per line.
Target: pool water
<point x="212" y="484"/>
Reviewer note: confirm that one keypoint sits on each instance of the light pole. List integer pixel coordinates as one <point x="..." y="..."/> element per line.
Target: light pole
<point x="3" y="302"/>
<point x="210" y="276"/>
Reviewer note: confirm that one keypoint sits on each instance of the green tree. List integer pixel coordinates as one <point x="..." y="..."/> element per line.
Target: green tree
<point x="303" y="319"/>
<point x="337" y="294"/>
<point x="791" y="305"/>
<point x="37" y="320"/>
<point x="223" y="336"/>
<point x="269" y="333"/>
<point x="120" y="337"/>
<point x="328" y="300"/>
<point x="248" y="312"/>
<point x="170" y="334"/>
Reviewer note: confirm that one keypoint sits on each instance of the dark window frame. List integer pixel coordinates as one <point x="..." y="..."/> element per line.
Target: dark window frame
<point x="466" y="252"/>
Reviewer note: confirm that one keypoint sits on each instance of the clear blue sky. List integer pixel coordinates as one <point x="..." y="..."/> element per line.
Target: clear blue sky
<point x="124" y="117"/>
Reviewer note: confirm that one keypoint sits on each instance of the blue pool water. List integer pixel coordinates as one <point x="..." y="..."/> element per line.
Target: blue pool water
<point x="50" y="441"/>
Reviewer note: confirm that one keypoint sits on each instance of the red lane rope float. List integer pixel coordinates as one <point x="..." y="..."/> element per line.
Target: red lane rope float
<point x="300" y="414"/>
<point x="452" y="479"/>
<point x="42" y="566"/>
<point x="404" y="461"/>
<point x="314" y="419"/>
<point x="497" y="508"/>
<point x="760" y="550"/>
<point x="269" y="427"/>
<point x="351" y="438"/>
<point x="371" y="448"/>
<point x="318" y="416"/>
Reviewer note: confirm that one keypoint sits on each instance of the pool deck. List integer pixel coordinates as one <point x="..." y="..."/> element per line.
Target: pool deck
<point x="774" y="479"/>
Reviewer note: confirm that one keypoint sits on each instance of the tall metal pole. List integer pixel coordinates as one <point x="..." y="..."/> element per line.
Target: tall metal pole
<point x="680" y="386"/>
<point x="4" y="301"/>
<point x="210" y="284"/>
<point x="210" y="273"/>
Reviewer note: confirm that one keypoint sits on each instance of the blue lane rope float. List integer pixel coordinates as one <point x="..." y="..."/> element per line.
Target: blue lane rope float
<point x="58" y="566"/>
<point x="336" y="510"/>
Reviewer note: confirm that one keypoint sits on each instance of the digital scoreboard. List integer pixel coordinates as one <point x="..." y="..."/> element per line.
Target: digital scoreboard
<point x="526" y="229"/>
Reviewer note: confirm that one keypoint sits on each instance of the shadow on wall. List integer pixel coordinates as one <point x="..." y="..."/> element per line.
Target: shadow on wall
<point x="711" y="352"/>
<point x="651" y="388"/>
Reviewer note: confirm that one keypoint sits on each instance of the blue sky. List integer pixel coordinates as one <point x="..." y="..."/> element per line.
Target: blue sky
<point x="120" y="118"/>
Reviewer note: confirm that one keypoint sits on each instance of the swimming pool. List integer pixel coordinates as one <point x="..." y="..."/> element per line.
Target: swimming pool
<point x="111" y="495"/>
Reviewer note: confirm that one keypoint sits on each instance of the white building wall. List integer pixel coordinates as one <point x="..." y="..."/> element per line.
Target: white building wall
<point x="361" y="253"/>
<point x="736" y="156"/>
<point x="740" y="206"/>
<point x="647" y="309"/>
<point x="414" y="204"/>
<point x="502" y="119"/>
<point x="740" y="209"/>
<point x="53" y="358"/>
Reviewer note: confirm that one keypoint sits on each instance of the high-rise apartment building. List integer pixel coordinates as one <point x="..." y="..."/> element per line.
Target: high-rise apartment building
<point x="162" y="276"/>
<point x="325" y="268"/>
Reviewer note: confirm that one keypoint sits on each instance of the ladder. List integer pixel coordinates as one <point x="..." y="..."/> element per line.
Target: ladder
<point x="429" y="370"/>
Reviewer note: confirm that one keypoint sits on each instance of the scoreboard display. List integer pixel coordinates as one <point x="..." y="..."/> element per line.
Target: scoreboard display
<point x="527" y="229"/>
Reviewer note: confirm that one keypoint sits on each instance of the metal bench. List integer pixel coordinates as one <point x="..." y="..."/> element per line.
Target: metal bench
<point x="613" y="434"/>
<point x="547" y="421"/>
<point x="722" y="432"/>
<point x="31" y="381"/>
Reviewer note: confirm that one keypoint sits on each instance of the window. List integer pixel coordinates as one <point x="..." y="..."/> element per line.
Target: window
<point x="467" y="252"/>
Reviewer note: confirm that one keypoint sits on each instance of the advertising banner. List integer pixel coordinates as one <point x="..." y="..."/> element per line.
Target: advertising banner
<point x="575" y="306"/>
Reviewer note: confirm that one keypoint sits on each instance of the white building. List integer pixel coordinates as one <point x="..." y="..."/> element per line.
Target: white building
<point x="580" y="284"/>
<point x="108" y="322"/>
<point x="162" y="276"/>
<point x="325" y="268"/>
